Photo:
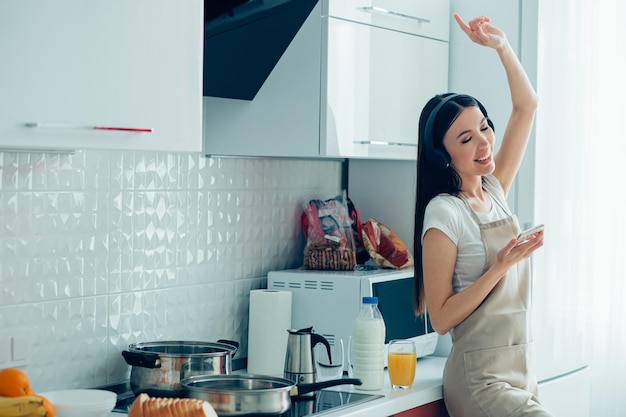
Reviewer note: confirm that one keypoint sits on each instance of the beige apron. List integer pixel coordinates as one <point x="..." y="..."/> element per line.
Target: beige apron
<point x="490" y="369"/>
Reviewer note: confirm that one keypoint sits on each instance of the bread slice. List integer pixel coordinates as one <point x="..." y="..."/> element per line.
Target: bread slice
<point x="146" y="406"/>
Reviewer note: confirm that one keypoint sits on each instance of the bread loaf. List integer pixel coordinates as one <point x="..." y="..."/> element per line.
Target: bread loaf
<point x="146" y="406"/>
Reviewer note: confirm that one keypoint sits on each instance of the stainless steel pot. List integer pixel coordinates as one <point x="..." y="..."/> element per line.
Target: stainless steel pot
<point x="247" y="395"/>
<point x="158" y="367"/>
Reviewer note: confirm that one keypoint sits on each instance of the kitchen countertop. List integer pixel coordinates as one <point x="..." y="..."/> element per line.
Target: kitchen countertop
<point x="426" y="388"/>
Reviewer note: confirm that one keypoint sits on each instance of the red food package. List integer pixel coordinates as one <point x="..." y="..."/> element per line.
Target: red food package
<point x="330" y="238"/>
<point x="384" y="246"/>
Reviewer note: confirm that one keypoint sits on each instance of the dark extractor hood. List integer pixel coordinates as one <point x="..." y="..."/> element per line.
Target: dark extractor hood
<point x="243" y="41"/>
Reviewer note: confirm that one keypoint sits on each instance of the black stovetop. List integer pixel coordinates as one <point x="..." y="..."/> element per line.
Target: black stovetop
<point x="323" y="401"/>
<point x="326" y="401"/>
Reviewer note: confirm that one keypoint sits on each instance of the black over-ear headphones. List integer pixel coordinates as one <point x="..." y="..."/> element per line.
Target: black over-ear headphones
<point x="440" y="157"/>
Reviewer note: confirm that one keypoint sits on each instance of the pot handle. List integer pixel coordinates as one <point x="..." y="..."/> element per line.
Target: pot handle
<point x="301" y="389"/>
<point x="144" y="360"/>
<point x="231" y="343"/>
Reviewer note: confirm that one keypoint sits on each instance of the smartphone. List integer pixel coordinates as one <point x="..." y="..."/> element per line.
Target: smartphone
<point x="523" y="237"/>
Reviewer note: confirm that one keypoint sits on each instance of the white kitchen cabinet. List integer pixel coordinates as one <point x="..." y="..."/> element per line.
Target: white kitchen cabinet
<point x="351" y="85"/>
<point x="377" y="83"/>
<point x="385" y="60"/>
<point x="70" y="65"/>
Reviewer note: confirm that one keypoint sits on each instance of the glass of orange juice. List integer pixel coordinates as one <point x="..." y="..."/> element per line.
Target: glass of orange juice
<point x="401" y="362"/>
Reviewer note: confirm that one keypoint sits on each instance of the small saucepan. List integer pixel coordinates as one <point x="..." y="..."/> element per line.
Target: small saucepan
<point x="247" y="395"/>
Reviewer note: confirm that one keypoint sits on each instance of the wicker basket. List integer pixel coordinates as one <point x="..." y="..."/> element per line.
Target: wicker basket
<point x="329" y="258"/>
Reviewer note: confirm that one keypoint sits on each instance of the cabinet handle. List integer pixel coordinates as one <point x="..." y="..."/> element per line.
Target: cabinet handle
<point x="374" y="9"/>
<point x="110" y="128"/>
<point x="380" y="142"/>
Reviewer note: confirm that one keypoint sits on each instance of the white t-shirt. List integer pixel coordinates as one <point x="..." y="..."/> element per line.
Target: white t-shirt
<point x="451" y="215"/>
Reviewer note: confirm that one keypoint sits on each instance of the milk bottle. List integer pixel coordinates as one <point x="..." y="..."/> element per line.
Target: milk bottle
<point x="368" y="350"/>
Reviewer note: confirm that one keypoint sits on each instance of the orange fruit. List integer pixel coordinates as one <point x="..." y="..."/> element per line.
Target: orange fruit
<point x="14" y="383"/>
<point x="47" y="405"/>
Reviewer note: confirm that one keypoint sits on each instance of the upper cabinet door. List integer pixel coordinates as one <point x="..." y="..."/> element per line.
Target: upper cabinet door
<point x="377" y="82"/>
<point x="111" y="74"/>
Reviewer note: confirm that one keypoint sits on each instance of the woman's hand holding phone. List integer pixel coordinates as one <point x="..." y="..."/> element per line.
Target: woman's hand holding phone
<point x="528" y="234"/>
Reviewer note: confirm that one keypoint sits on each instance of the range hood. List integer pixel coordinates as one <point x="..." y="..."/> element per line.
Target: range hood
<point x="243" y="41"/>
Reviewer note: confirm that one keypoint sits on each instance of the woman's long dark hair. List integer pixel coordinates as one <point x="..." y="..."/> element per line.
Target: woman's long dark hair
<point x="434" y="177"/>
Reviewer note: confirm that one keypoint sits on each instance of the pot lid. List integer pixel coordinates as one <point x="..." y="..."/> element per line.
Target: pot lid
<point x="184" y="348"/>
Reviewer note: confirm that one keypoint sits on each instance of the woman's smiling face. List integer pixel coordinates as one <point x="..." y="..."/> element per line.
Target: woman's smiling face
<point x="469" y="142"/>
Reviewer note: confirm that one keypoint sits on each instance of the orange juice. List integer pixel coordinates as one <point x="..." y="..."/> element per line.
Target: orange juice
<point x="401" y="367"/>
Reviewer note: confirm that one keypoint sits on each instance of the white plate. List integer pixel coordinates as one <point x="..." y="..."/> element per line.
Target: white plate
<point x="81" y="402"/>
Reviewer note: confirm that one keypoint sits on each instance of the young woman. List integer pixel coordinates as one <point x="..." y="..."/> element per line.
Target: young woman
<point x="471" y="273"/>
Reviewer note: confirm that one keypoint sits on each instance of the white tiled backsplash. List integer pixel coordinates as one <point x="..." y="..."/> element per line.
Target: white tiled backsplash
<point x="100" y="249"/>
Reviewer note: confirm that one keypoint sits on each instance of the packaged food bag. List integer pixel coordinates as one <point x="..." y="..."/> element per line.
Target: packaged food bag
<point x="384" y="246"/>
<point x="327" y="228"/>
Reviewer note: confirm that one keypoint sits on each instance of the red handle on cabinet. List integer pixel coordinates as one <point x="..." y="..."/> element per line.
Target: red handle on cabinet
<point x="111" y="128"/>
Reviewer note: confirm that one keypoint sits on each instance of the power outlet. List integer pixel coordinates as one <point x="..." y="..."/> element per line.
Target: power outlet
<point x="20" y="349"/>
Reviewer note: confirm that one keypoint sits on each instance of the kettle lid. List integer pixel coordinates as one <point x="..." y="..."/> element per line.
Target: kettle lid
<point x="306" y="330"/>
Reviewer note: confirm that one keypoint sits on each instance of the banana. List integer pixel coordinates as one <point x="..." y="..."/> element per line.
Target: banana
<point x="24" y="406"/>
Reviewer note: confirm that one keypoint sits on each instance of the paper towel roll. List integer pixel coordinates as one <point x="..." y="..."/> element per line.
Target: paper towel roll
<point x="270" y="317"/>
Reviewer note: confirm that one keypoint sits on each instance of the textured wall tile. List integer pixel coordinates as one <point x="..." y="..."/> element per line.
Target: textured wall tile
<point x="101" y="249"/>
<point x="68" y="340"/>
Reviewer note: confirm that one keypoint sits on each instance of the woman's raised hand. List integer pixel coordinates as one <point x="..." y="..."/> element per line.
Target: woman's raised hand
<point x="481" y="32"/>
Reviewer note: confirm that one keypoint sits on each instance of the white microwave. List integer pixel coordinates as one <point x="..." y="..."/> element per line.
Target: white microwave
<point x="330" y="301"/>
